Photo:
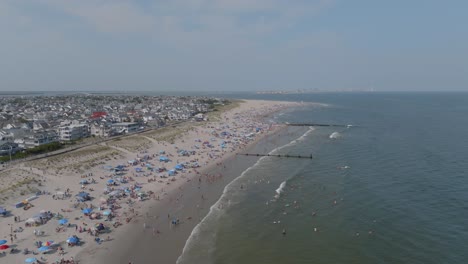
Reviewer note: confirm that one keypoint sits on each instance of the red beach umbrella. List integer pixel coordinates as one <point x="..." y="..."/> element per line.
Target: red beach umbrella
<point x="3" y="247"/>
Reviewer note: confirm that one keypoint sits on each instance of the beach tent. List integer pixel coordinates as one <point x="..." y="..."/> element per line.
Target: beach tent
<point x="106" y="213"/>
<point x="122" y="180"/>
<point x="2" y="242"/>
<point x="83" y="196"/>
<point x="84" y="182"/>
<point x="87" y="210"/>
<point x="3" y="211"/>
<point x="60" y="194"/>
<point x="33" y="220"/>
<point x="30" y="260"/>
<point x="48" y="243"/>
<point x="179" y="167"/>
<point x="110" y="181"/>
<point x="162" y="152"/>
<point x="41" y="214"/>
<point x="4" y="247"/>
<point x="43" y="249"/>
<point x="163" y="158"/>
<point x="73" y="240"/>
<point x="63" y="221"/>
<point x="100" y="227"/>
<point x="171" y="172"/>
<point x="21" y="204"/>
<point x="138" y="169"/>
<point x="115" y="193"/>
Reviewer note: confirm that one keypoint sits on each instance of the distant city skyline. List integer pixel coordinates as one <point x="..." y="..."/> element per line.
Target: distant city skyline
<point x="233" y="45"/>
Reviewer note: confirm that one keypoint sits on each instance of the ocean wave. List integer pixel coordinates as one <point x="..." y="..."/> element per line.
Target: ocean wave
<point x="294" y="142"/>
<point x="216" y="209"/>
<point x="280" y="189"/>
<point x="335" y="135"/>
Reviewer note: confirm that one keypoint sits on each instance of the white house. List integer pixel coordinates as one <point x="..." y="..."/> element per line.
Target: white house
<point x="69" y="131"/>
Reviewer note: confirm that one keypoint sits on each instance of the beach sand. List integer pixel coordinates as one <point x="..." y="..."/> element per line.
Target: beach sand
<point x="149" y="236"/>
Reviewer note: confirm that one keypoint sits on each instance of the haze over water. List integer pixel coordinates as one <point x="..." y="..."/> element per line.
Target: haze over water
<point x="406" y="184"/>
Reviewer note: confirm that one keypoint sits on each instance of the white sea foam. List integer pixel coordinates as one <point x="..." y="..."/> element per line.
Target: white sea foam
<point x="335" y="135"/>
<point x="215" y="210"/>
<point x="294" y="142"/>
<point x="280" y="189"/>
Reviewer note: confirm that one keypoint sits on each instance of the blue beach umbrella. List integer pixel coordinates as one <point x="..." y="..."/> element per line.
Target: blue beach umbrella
<point x="110" y="181"/>
<point x="43" y="249"/>
<point x="30" y="260"/>
<point x="63" y="221"/>
<point x="3" y="242"/>
<point x="72" y="240"/>
<point x="87" y="210"/>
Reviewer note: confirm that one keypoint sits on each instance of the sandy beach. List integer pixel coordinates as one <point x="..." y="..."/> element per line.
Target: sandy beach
<point x="125" y="198"/>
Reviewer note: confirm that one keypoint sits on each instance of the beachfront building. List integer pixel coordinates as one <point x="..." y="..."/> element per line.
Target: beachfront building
<point x="7" y="148"/>
<point x="102" y="129"/>
<point x="126" y="127"/>
<point x="70" y="131"/>
<point x="30" y="139"/>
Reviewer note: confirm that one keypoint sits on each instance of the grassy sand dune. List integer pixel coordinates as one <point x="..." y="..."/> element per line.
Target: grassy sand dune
<point x="131" y="144"/>
<point x="18" y="182"/>
<point x="78" y="161"/>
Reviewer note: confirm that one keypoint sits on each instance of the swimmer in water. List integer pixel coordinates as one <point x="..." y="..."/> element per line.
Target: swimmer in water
<point x="284" y="232"/>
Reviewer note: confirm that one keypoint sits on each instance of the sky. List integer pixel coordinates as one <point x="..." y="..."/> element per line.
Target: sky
<point x="233" y="45"/>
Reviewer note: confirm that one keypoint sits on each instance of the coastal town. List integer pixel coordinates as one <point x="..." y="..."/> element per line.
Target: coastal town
<point x="31" y="122"/>
<point x="76" y="206"/>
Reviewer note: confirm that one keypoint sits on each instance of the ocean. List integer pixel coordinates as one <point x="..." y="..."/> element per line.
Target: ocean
<point x="392" y="188"/>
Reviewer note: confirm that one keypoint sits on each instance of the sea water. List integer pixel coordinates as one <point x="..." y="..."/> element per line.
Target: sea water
<point x="392" y="188"/>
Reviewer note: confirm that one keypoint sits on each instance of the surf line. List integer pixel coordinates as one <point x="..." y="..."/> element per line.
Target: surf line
<point x="276" y="155"/>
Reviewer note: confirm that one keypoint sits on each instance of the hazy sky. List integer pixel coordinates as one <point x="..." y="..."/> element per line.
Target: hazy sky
<point x="233" y="45"/>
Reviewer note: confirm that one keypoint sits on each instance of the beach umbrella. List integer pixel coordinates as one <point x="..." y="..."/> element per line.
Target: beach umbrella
<point x="72" y="240"/>
<point x="106" y="213"/>
<point x="63" y="221"/>
<point x="30" y="260"/>
<point x="111" y="181"/>
<point x="3" y="242"/>
<point x="48" y="243"/>
<point x="83" y="194"/>
<point x="3" y="247"/>
<point x="43" y="249"/>
<point x="87" y="210"/>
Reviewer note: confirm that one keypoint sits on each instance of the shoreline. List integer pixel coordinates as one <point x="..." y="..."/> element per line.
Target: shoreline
<point x="52" y="171"/>
<point x="168" y="245"/>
